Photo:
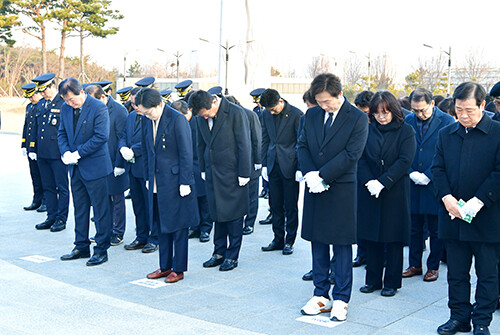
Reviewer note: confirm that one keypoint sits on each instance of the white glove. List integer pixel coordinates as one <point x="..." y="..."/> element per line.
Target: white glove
<point x="203" y="175"/>
<point x="374" y="187"/>
<point x="264" y="173"/>
<point x="184" y="190"/>
<point x="318" y="188"/>
<point x="118" y="171"/>
<point x="74" y="157"/>
<point x="423" y="179"/>
<point x="257" y="167"/>
<point x="32" y="156"/>
<point x="243" y="181"/>
<point x="65" y="157"/>
<point x="147" y="184"/>
<point x="313" y="179"/>
<point x="298" y="176"/>
<point x="414" y="177"/>
<point x="25" y="152"/>
<point x="473" y="206"/>
<point x="127" y="153"/>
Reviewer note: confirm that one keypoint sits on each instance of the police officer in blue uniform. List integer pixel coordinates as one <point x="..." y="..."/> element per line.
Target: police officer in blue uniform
<point x="53" y="171"/>
<point x="145" y="82"/>
<point x="166" y="96"/>
<point x="34" y="96"/>
<point x="125" y="94"/>
<point x="183" y="88"/>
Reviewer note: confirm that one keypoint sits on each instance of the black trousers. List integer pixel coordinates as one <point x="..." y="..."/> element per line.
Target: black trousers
<point x="232" y="230"/>
<point x="283" y="198"/>
<point x="417" y="236"/>
<point x="55" y="188"/>
<point x="375" y="264"/>
<point x="459" y="262"/>
<point x="36" y="180"/>
<point x="253" y="202"/>
<point x="139" y="195"/>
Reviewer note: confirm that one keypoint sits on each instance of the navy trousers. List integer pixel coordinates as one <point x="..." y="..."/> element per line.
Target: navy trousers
<point x="139" y="195"/>
<point x="36" y="180"/>
<point x="55" y="188"/>
<point x="343" y="270"/>
<point x="232" y="230"/>
<point x="459" y="262"/>
<point x="118" y="212"/>
<point x="417" y="236"/>
<point x="253" y="202"/>
<point x="206" y="223"/>
<point x="86" y="193"/>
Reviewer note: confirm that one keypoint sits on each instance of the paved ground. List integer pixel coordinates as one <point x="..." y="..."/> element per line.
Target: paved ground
<point x="262" y="296"/>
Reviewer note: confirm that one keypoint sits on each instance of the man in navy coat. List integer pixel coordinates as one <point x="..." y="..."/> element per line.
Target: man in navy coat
<point x="426" y="120"/>
<point x="168" y="163"/>
<point x="330" y="144"/>
<point x="280" y="125"/>
<point x="466" y="176"/>
<point x="224" y="153"/>
<point x="82" y="137"/>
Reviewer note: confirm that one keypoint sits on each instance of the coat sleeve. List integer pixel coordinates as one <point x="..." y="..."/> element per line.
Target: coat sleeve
<point x="62" y="133"/>
<point x="441" y="184"/>
<point x="144" y="125"/>
<point x="100" y="132"/>
<point x="402" y="164"/>
<point x="241" y="131"/>
<point x="447" y="120"/>
<point x="304" y="157"/>
<point x="364" y="172"/>
<point x="489" y="191"/>
<point x="265" y="141"/>
<point x="184" y="150"/>
<point x="25" y="127"/>
<point x="201" y="144"/>
<point x="347" y="159"/>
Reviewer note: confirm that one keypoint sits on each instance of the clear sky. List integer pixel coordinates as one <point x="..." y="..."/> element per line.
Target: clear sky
<point x="288" y="33"/>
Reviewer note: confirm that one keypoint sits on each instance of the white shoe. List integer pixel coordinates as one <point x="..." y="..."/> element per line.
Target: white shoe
<point x="317" y="305"/>
<point x="339" y="311"/>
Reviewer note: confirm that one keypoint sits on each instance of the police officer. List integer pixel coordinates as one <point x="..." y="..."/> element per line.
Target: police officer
<point x="34" y="96"/>
<point x="145" y="82"/>
<point x="165" y="96"/>
<point x="45" y="150"/>
<point x="124" y="94"/>
<point x="183" y="88"/>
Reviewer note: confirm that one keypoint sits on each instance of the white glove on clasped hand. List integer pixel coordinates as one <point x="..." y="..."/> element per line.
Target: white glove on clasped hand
<point x="32" y="156"/>
<point x="374" y="187"/>
<point x="423" y="179"/>
<point x="313" y="179"/>
<point x="243" y="181"/>
<point x="257" y="167"/>
<point x="318" y="188"/>
<point x="473" y="206"/>
<point x="203" y="175"/>
<point x="65" y="157"/>
<point x="118" y="171"/>
<point x="25" y="152"/>
<point x="73" y="157"/>
<point x="184" y="190"/>
<point x="298" y="176"/>
<point x="126" y="153"/>
<point x="264" y="173"/>
<point x="414" y="177"/>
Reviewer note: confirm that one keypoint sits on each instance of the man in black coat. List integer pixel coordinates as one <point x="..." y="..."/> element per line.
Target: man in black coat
<point x="331" y="142"/>
<point x="466" y="171"/>
<point x="280" y="125"/>
<point x="224" y="154"/>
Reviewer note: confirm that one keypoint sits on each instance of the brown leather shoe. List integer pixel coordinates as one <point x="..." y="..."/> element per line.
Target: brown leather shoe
<point x="158" y="274"/>
<point x="412" y="271"/>
<point x="174" y="277"/>
<point x="431" y="275"/>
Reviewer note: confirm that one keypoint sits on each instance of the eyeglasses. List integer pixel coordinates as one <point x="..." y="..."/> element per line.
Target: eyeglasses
<point x="496" y="101"/>
<point x="420" y="111"/>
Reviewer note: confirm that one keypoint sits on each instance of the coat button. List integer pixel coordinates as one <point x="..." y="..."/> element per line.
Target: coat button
<point x="41" y="137"/>
<point x="321" y="154"/>
<point x="421" y="149"/>
<point x="490" y="194"/>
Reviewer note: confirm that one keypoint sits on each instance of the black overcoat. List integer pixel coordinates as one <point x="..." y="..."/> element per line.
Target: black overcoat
<point x="117" y="120"/>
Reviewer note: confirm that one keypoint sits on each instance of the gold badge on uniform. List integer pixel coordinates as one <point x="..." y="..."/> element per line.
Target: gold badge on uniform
<point x="54" y="121"/>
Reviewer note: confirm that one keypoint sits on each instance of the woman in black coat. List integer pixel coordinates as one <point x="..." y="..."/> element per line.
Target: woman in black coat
<point x="384" y="193"/>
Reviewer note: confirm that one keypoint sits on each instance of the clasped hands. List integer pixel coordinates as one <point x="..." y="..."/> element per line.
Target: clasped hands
<point x="419" y="178"/>
<point x="70" y="158"/>
<point x="315" y="183"/>
<point x="471" y="207"/>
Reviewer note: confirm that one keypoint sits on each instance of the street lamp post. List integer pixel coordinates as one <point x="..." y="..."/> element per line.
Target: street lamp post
<point x="177" y="55"/>
<point x="226" y="48"/>
<point x="449" y="65"/>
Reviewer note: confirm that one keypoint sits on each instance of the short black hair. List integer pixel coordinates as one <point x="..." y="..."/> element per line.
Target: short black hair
<point x="363" y="99"/>
<point x="421" y="94"/>
<point x="148" y="98"/>
<point x="390" y="103"/>
<point x="437" y="99"/>
<point x="448" y="106"/>
<point x="135" y="90"/>
<point x="70" y="85"/>
<point x="326" y="82"/>
<point x="200" y="100"/>
<point x="405" y="102"/>
<point x="95" y="90"/>
<point x="470" y="90"/>
<point x="269" y="98"/>
<point x="307" y="97"/>
<point x="181" y="106"/>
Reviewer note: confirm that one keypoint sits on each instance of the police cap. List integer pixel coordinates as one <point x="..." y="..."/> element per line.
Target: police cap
<point x="256" y="94"/>
<point x="43" y="81"/>
<point x="105" y="84"/>
<point x="29" y="90"/>
<point x="495" y="90"/>
<point x="216" y="90"/>
<point x="183" y="87"/>
<point x="124" y="93"/>
<point x="145" y="82"/>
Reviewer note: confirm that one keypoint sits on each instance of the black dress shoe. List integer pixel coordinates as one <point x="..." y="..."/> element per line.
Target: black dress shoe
<point x="32" y="207"/>
<point x="262" y="194"/>
<point x="308" y="276"/>
<point x="192" y="233"/>
<point x="247" y="230"/>
<point x="369" y="289"/>
<point x="228" y="264"/>
<point x="388" y="292"/>
<point x="267" y="220"/>
<point x="287" y="249"/>
<point x="75" y="254"/>
<point x="213" y="261"/>
<point x="358" y="261"/>
<point x="453" y="326"/>
<point x="135" y="245"/>
<point x="481" y="330"/>
<point x="204" y="237"/>
<point x="149" y="248"/>
<point x="272" y="246"/>
<point x="45" y="224"/>
<point x="97" y="259"/>
<point x="58" y="226"/>
<point x="42" y="208"/>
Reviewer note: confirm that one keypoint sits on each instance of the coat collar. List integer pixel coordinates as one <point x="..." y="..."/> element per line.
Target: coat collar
<point x="342" y="116"/>
<point x="484" y="125"/>
<point x="224" y="106"/>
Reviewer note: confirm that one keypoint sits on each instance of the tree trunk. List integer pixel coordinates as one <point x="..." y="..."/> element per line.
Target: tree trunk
<point x="62" y="50"/>
<point x="44" y="49"/>
<point x="82" y="65"/>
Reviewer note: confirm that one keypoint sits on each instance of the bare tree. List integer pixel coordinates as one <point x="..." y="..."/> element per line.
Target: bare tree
<point x="474" y="67"/>
<point x="352" y="71"/>
<point x="383" y="72"/>
<point x="319" y="64"/>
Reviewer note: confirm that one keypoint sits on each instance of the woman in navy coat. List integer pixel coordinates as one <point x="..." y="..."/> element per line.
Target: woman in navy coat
<point x="384" y="193"/>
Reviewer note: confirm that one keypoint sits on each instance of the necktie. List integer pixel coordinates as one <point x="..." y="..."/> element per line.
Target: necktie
<point x="137" y="121"/>
<point x="327" y="124"/>
<point x="76" y="115"/>
<point x="210" y="124"/>
<point x="47" y="103"/>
